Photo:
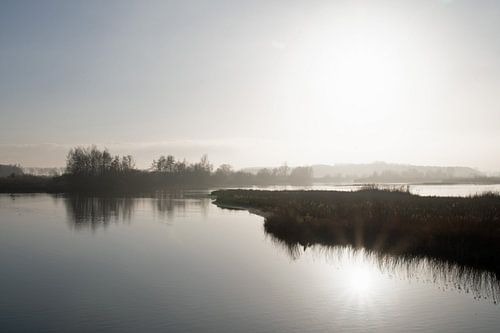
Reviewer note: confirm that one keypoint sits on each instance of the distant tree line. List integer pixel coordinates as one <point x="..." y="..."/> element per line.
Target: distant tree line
<point x="89" y="169"/>
<point x="411" y="175"/>
<point x="35" y="171"/>
<point x="85" y="162"/>
<point x="10" y="170"/>
<point x="225" y="175"/>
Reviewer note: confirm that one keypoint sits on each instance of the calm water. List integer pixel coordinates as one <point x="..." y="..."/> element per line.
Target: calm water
<point x="454" y="190"/>
<point x="175" y="262"/>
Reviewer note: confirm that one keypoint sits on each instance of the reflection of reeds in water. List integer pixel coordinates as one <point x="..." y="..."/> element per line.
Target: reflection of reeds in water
<point x="461" y="234"/>
<point x="446" y="276"/>
<point x="464" y="231"/>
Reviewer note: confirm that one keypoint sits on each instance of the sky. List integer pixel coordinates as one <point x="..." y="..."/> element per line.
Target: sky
<point x="252" y="83"/>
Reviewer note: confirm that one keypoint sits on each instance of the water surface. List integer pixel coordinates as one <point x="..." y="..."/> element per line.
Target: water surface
<point x="175" y="262"/>
<point x="440" y="190"/>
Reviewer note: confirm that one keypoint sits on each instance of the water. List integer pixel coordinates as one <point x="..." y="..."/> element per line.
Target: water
<point x="175" y="262"/>
<point x="450" y="190"/>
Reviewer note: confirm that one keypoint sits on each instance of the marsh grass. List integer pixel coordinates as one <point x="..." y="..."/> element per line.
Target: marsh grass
<point x="463" y="231"/>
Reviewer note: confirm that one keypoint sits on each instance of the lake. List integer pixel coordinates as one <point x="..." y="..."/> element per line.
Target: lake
<point x="450" y="190"/>
<point x="175" y="262"/>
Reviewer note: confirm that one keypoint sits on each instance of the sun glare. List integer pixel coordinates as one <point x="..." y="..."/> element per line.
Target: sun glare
<point x="361" y="277"/>
<point x="360" y="280"/>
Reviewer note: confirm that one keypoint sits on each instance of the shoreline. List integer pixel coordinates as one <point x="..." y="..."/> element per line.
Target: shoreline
<point x="254" y="211"/>
<point x="460" y="230"/>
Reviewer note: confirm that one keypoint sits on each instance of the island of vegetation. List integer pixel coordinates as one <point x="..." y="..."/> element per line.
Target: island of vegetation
<point x="89" y="169"/>
<point x="458" y="230"/>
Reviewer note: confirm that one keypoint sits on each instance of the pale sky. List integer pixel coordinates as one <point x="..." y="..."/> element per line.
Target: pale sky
<point x="252" y="83"/>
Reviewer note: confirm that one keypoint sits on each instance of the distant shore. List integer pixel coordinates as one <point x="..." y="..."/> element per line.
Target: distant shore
<point x="464" y="231"/>
<point x="89" y="169"/>
<point x="139" y="181"/>
<point x="128" y="183"/>
<point x="461" y="181"/>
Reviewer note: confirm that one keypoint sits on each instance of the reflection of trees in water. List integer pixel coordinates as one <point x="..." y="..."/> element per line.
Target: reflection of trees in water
<point x="169" y="204"/>
<point x="93" y="212"/>
<point x="479" y="283"/>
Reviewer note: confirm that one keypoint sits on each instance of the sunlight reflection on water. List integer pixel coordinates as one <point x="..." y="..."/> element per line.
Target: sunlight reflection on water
<point x="363" y="270"/>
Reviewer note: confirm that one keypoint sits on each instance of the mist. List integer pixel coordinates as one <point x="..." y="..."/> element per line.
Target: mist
<point x="252" y="84"/>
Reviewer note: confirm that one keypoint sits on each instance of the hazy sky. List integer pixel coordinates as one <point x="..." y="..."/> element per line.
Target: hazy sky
<point x="252" y="82"/>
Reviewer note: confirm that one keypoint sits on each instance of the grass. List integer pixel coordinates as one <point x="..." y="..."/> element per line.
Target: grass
<point x="464" y="231"/>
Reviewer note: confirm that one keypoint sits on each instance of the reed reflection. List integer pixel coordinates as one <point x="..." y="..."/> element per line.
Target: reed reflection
<point x="445" y="275"/>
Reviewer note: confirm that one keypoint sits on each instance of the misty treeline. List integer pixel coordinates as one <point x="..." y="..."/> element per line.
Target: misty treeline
<point x="15" y="170"/>
<point x="88" y="163"/>
<point x="410" y="175"/>
<point x="10" y="170"/>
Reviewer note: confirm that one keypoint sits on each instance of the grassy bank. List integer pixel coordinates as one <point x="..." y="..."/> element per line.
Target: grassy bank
<point x="464" y="231"/>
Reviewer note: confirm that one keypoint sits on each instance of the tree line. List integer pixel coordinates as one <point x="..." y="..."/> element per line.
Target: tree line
<point x="92" y="162"/>
<point x="10" y="170"/>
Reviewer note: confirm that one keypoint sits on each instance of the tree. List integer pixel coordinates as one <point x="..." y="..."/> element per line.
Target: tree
<point x="180" y="167"/>
<point x="78" y="161"/>
<point x="115" y="164"/>
<point x="283" y="170"/>
<point x="90" y="161"/>
<point x="224" y="170"/>
<point x="160" y="164"/>
<point x="203" y="167"/>
<point x="301" y="175"/>
<point x="205" y="164"/>
<point x="170" y="164"/>
<point x="106" y="160"/>
<point x="264" y="176"/>
<point x="164" y="164"/>
<point x="128" y="163"/>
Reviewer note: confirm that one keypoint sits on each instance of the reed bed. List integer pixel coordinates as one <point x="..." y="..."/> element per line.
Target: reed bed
<point x="463" y="231"/>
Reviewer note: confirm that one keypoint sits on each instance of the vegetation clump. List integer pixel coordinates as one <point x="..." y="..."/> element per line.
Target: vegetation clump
<point x="459" y="230"/>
